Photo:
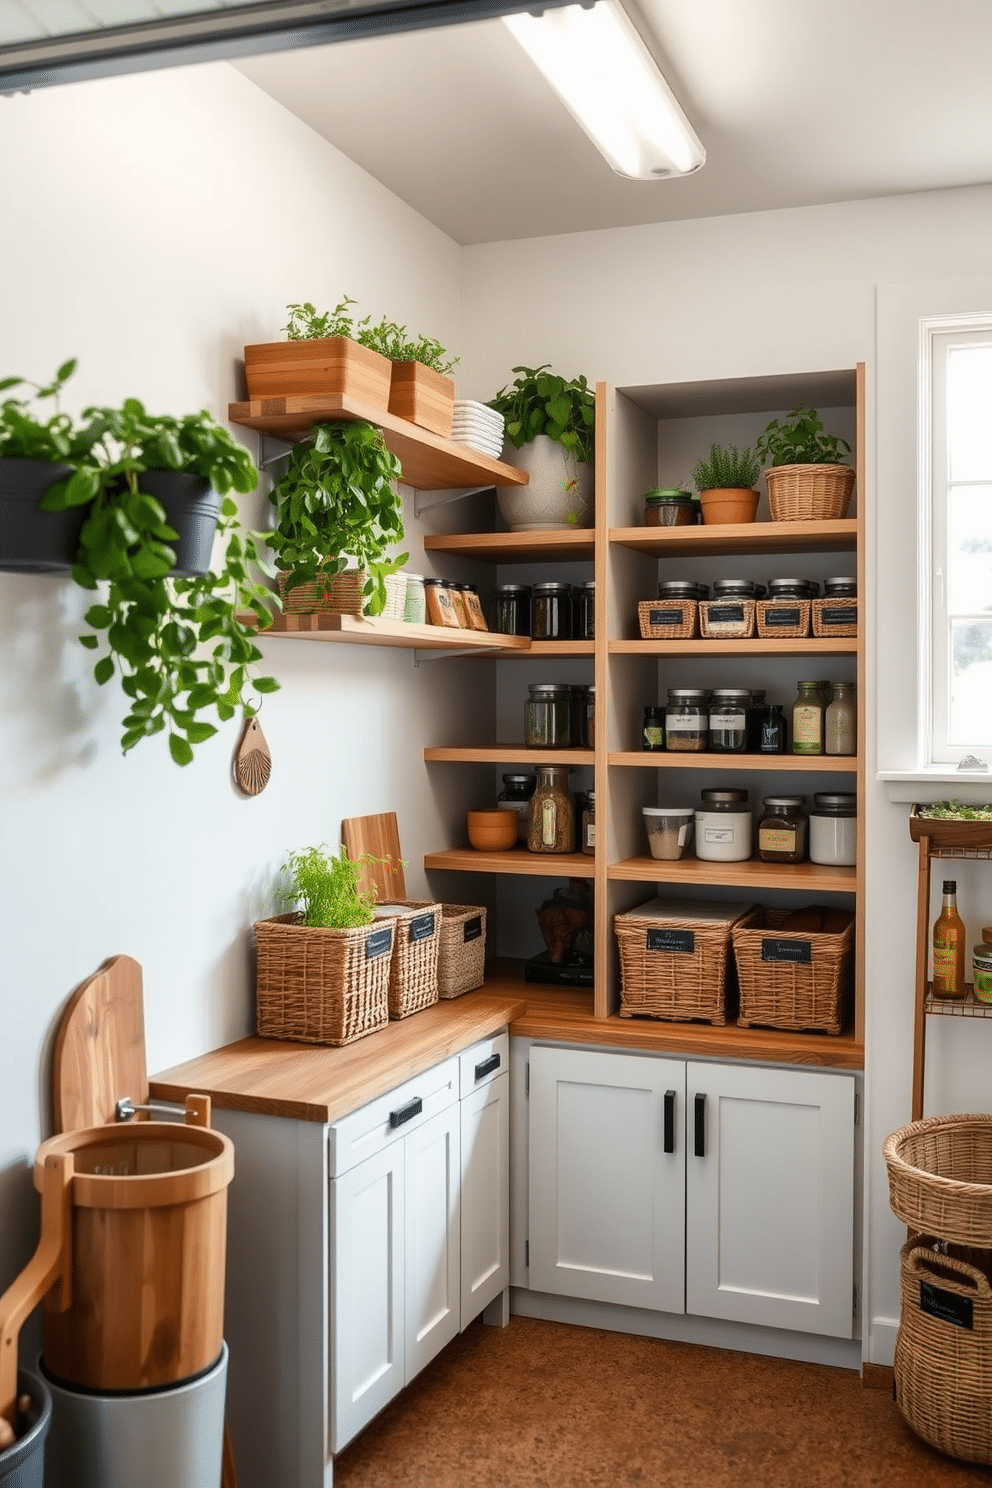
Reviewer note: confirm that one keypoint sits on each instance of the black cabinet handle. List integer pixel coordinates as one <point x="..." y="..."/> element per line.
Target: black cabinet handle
<point x="699" y="1112"/>
<point x="669" y="1120"/>
<point x="487" y="1066"/>
<point x="407" y="1112"/>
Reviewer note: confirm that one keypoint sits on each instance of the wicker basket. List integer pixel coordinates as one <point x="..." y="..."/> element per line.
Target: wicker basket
<point x="835" y="617"/>
<point x="940" y="1177"/>
<point x="778" y="618"/>
<point x="413" y="970"/>
<point x="943" y="1359"/>
<point x="338" y="594"/>
<point x="674" y="959"/>
<point x="668" y="619"/>
<point x="461" y="960"/>
<point x="779" y="987"/>
<point x="809" y="493"/>
<point x="726" y="619"/>
<point x="321" y="986"/>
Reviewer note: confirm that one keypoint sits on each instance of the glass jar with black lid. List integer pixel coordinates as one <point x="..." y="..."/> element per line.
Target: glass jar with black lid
<point x="548" y="716"/>
<point x="682" y="589"/>
<point x="551" y="612"/>
<point x="687" y="723"/>
<point x="728" y="719"/>
<point x="511" y="609"/>
<point x="584" y="611"/>
<point x="782" y="830"/>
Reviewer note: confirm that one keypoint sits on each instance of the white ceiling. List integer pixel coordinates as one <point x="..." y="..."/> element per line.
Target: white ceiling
<point x="796" y="102"/>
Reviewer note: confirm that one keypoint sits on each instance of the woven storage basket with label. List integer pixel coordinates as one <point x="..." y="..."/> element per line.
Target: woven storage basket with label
<point x="668" y="619"/>
<point x="943" y="1359"/>
<point x="321" y="986"/>
<point x="674" y="959"/>
<point x="836" y="616"/>
<point x="413" y="971"/>
<point x="461" y="962"/>
<point x="794" y="978"/>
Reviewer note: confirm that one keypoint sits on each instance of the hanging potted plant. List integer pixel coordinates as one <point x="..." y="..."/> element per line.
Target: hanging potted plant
<point x="808" y="480"/>
<point x="725" y="481"/>
<point x="550" y="431"/>
<point x="338" y="513"/>
<point x="322" y="357"/>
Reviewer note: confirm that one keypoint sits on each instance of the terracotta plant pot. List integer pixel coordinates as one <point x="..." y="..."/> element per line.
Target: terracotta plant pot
<point x="333" y="366"/>
<point x="728" y="504"/>
<point x="423" y="396"/>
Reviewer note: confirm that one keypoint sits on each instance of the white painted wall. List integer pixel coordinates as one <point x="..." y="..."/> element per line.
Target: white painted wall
<point x="776" y="292"/>
<point x="154" y="224"/>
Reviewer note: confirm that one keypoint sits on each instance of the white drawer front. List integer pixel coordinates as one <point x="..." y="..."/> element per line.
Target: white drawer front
<point x="485" y="1061"/>
<point x="390" y="1117"/>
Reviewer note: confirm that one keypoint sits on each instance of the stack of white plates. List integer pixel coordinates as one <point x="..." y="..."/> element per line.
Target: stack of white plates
<point x="478" y="426"/>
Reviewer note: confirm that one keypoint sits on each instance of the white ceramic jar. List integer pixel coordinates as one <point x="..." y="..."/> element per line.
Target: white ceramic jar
<point x="723" y="826"/>
<point x="833" y="829"/>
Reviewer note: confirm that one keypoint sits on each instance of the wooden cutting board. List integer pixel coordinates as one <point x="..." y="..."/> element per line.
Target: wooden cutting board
<point x="100" y="1048"/>
<point x="380" y="836"/>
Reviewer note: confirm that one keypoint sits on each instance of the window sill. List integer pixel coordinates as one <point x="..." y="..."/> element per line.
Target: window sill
<point x="974" y="787"/>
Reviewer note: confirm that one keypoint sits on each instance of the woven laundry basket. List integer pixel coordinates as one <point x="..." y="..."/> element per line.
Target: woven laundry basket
<point x="940" y="1177"/>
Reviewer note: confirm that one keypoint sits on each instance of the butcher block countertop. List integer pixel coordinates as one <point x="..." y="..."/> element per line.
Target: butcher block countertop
<point x="305" y="1082"/>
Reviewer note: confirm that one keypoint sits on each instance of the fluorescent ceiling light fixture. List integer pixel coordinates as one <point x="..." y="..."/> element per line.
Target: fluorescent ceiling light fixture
<point x="597" y="63"/>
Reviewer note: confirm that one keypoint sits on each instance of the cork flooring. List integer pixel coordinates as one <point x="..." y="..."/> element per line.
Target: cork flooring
<point x="541" y="1405"/>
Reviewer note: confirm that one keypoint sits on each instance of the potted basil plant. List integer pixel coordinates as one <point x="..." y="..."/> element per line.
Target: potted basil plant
<point x="549" y="432"/>
<point x="807" y="479"/>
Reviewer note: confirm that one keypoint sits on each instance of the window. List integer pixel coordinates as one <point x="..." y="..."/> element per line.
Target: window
<point x="956" y="532"/>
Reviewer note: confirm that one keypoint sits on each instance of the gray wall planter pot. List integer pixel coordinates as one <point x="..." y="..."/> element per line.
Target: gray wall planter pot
<point x="191" y="509"/>
<point x="545" y="503"/>
<point x="32" y="540"/>
<point x="23" y="1464"/>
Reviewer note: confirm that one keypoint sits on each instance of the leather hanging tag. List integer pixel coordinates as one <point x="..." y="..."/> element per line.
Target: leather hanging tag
<point x="252" y="761"/>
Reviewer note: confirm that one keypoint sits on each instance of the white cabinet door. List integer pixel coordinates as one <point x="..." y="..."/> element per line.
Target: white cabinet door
<point x="770" y="1197"/>
<point x="607" y="1201"/>
<point x="485" y="1196"/>
<point x="367" y="1236"/>
<point x="433" y="1276"/>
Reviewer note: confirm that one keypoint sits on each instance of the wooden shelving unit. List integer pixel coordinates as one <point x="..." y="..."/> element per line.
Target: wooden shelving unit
<point x="516" y="547"/>
<point x="758" y="646"/>
<point x="506" y="754"/>
<point x="516" y="860"/>
<point x="737" y="539"/>
<point x="753" y="875"/>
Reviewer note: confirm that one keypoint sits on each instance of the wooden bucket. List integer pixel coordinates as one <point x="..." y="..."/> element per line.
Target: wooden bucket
<point x="146" y="1255"/>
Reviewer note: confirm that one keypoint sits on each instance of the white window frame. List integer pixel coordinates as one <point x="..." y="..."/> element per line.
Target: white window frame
<point x="938" y="336"/>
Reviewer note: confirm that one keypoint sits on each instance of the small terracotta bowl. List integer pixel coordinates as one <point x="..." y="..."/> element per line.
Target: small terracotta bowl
<point x="492" y="831"/>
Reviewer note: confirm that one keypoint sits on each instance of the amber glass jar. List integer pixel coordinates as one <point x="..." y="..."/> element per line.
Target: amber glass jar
<point x="782" y="830"/>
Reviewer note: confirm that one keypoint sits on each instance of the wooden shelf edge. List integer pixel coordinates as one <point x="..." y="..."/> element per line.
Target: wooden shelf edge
<point x="516" y="860"/>
<point x="662" y="760"/>
<point x="372" y="630"/>
<point x="755" y="646"/>
<point x="510" y="547"/>
<point x="751" y="874"/>
<point x="766" y="536"/>
<point x="497" y="754"/>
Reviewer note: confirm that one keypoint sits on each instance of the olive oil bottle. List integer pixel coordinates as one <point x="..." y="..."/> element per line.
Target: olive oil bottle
<point x="949" y="946"/>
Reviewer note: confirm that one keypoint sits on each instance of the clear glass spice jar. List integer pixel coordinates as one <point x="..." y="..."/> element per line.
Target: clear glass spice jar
<point x="548" y="716"/>
<point x="728" y="720"/>
<point x="840" y="722"/>
<point x="588" y="836"/>
<point x="552" y="812"/>
<point x="782" y="830"/>
<point x="516" y="796"/>
<point x="687" y="722"/>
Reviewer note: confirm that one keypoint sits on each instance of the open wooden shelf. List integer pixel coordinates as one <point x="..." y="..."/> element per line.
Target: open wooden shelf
<point x="429" y="462"/>
<point x="507" y="754"/>
<point x="370" y="630"/>
<point x="752" y="874"/>
<point x="648" y="759"/>
<point x="737" y="538"/>
<point x="567" y="545"/>
<point x="515" y="860"/>
<point x="756" y="646"/>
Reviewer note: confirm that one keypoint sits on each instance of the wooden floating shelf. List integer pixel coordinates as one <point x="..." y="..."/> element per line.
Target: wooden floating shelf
<point x="647" y="759"/>
<point x="508" y="754"/>
<point x="751" y="874"/>
<point x="516" y="860"/>
<point x="371" y="630"/>
<point x="429" y="462"/>
<point x="756" y="646"/>
<point x="570" y="544"/>
<point x="558" y="648"/>
<point x="740" y="538"/>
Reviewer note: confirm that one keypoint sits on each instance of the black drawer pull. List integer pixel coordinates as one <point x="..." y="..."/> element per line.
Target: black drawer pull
<point x="699" y="1108"/>
<point x="407" y="1112"/>
<point x="487" y="1066"/>
<point x="669" y="1120"/>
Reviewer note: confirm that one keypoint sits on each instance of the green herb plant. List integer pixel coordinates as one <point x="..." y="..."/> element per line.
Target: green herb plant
<point x="955" y="811"/>
<point x="538" y="401"/>
<point x="324" y="888"/>
<point x="801" y="439"/>
<point x="338" y="500"/>
<point x="727" y="468"/>
<point x="24" y="435"/>
<point x="386" y="337"/>
<point x="179" y="644"/>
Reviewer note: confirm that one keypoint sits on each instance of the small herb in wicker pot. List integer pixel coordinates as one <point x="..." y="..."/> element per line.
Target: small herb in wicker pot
<point x="727" y="469"/>
<point x="801" y="439"/>
<point x="324" y="888"/>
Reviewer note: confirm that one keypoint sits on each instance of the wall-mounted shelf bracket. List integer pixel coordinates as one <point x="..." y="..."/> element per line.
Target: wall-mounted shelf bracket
<point x="272" y="449"/>
<point x="434" y="654"/>
<point x="424" y="501"/>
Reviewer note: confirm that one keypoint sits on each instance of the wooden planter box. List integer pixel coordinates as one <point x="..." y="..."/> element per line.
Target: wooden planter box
<point x="327" y="367"/>
<point x="423" y="396"/>
<point x="948" y="835"/>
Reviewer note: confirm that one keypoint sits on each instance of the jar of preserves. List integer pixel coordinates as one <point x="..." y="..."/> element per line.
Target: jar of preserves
<point x="551" y="612"/>
<point x="668" y="508"/>
<point x="728" y="720"/>
<point x="584" y="611"/>
<point x="653" y="728"/>
<point x="840" y="722"/>
<point x="516" y="796"/>
<point x="511" y="609"/>
<point x="782" y="830"/>
<point x="552" y="813"/>
<point x="548" y="716"/>
<point x="723" y="826"/>
<point x="833" y="829"/>
<point x="687" y="722"/>
<point x="807" y="719"/>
